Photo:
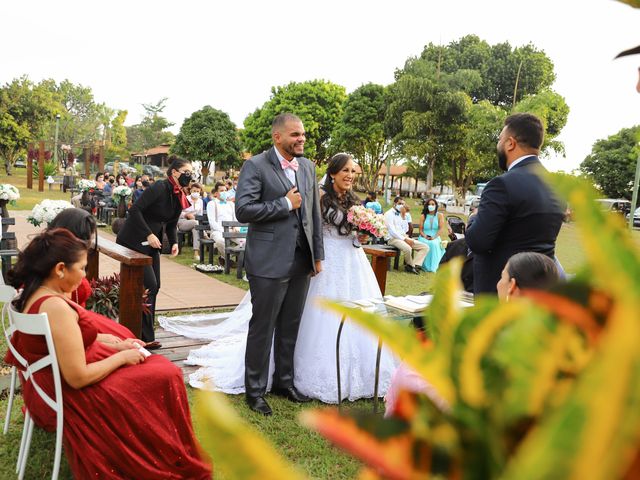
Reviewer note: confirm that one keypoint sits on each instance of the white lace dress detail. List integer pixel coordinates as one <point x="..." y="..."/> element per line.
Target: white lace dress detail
<point x="346" y="275"/>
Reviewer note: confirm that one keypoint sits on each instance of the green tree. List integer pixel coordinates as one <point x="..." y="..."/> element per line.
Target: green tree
<point x="25" y="111"/>
<point x="612" y="162"/>
<point x="427" y="117"/>
<point x="209" y="135"/>
<point x="152" y="130"/>
<point x="319" y="105"/>
<point x="553" y="110"/>
<point x="504" y="70"/>
<point x="361" y="131"/>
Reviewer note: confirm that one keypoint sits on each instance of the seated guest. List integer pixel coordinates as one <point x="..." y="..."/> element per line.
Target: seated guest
<point x="231" y="190"/>
<point x="83" y="225"/>
<point x="125" y="416"/>
<point x="138" y="188"/>
<point x="371" y="202"/>
<point x="397" y="225"/>
<point x="108" y="185"/>
<point x="219" y="210"/>
<point x="526" y="270"/>
<point x="187" y="221"/>
<point x="433" y="228"/>
<point x="100" y="183"/>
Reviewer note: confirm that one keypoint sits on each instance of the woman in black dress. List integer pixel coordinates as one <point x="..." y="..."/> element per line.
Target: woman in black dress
<point x="159" y="205"/>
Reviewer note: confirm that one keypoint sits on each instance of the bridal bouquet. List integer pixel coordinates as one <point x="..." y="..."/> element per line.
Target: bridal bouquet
<point x="9" y="192"/>
<point x="367" y="221"/>
<point x="85" y="185"/>
<point x="46" y="211"/>
<point x="120" y="193"/>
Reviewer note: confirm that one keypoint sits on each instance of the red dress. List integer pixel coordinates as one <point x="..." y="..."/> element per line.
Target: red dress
<point x="133" y="424"/>
<point x="103" y="324"/>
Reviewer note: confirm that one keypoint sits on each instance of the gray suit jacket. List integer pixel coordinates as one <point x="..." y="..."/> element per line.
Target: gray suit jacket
<point x="273" y="229"/>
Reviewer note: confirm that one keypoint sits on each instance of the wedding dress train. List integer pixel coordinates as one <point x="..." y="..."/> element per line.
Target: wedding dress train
<point x="346" y="275"/>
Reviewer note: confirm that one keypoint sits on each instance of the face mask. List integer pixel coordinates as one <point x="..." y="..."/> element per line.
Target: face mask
<point x="111" y="180"/>
<point x="121" y="181"/>
<point x="195" y="195"/>
<point x="223" y="197"/>
<point x="184" y="179"/>
<point x="399" y="208"/>
<point x="431" y="208"/>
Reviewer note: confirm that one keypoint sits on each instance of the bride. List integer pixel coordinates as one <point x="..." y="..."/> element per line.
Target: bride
<point x="346" y="275"/>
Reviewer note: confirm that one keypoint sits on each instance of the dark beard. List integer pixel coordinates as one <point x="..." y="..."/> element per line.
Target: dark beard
<point x="502" y="160"/>
<point x="298" y="155"/>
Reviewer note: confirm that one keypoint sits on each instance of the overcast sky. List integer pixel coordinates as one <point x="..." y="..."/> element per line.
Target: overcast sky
<point x="229" y="54"/>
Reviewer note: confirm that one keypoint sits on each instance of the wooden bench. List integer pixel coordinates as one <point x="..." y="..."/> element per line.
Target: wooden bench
<point x="232" y="249"/>
<point x="132" y="266"/>
<point x="206" y="243"/>
<point x="7" y="245"/>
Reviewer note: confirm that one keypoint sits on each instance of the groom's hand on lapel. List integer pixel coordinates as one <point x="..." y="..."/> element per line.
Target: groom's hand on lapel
<point x="295" y="198"/>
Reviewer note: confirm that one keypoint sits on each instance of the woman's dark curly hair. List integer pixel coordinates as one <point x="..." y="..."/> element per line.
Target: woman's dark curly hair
<point x="37" y="260"/>
<point x="331" y="203"/>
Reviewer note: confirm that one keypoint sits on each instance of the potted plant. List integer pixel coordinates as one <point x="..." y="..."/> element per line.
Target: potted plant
<point x="8" y="194"/>
<point x="105" y="297"/>
<point x="86" y="187"/>
<point x="46" y="211"/>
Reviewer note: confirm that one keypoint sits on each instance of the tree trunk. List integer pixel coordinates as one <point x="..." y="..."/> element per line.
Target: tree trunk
<point x="429" y="180"/>
<point x="205" y="175"/>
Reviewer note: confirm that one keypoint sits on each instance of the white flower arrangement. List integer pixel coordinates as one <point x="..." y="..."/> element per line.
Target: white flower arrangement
<point x="9" y="192"/>
<point x="85" y="185"/>
<point x="121" y="192"/>
<point x="46" y="211"/>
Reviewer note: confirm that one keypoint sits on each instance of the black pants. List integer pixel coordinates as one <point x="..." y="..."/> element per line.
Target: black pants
<point x="277" y="309"/>
<point x="151" y="283"/>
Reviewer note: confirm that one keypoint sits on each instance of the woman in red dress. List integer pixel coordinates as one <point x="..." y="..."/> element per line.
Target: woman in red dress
<point x="125" y="416"/>
<point x="83" y="225"/>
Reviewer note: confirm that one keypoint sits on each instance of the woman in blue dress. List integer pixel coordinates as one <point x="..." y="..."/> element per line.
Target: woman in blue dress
<point x="432" y="228"/>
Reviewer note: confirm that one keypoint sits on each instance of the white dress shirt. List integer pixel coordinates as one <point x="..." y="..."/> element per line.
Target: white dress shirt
<point x="518" y="160"/>
<point x="289" y="173"/>
<point x="220" y="212"/>
<point x="396" y="225"/>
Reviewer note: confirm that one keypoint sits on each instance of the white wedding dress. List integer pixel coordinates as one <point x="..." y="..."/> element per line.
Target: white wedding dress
<point x="346" y="275"/>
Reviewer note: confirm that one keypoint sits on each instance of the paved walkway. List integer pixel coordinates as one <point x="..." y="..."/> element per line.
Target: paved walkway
<point x="182" y="288"/>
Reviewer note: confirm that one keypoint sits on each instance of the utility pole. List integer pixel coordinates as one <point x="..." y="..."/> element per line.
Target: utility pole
<point x="634" y="197"/>
<point x="55" y="142"/>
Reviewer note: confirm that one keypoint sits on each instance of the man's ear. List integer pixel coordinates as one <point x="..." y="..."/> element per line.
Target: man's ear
<point x="512" y="288"/>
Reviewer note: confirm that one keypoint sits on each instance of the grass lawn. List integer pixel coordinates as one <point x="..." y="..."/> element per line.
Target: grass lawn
<point x="28" y="198"/>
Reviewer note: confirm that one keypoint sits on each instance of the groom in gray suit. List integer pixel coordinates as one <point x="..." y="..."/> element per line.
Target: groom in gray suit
<point x="277" y="196"/>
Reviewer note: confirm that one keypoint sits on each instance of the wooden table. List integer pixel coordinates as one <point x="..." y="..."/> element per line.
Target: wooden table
<point x="379" y="260"/>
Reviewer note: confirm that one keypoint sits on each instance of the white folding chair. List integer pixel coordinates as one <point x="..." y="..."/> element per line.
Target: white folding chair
<point x="7" y="294"/>
<point x="37" y="324"/>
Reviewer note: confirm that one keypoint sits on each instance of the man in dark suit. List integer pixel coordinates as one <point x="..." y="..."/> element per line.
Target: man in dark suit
<point x="277" y="196"/>
<point x="517" y="211"/>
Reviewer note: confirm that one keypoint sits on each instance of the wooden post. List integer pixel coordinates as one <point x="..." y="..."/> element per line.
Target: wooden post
<point x="86" y="153"/>
<point x="131" y="297"/>
<point x="101" y="159"/>
<point x="87" y="163"/>
<point x="379" y="256"/>
<point x="32" y="147"/>
<point x="41" y="167"/>
<point x="93" y="264"/>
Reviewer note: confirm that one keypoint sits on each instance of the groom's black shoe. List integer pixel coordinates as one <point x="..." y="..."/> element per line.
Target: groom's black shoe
<point x="260" y="405"/>
<point x="291" y="393"/>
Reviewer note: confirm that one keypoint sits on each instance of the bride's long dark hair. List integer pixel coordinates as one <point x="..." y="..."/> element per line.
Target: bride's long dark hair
<point x="331" y="203"/>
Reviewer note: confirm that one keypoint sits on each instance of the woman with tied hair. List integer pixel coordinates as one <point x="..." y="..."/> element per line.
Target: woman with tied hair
<point x="158" y="207"/>
<point x="83" y="225"/>
<point x="525" y="270"/>
<point x="125" y="416"/>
